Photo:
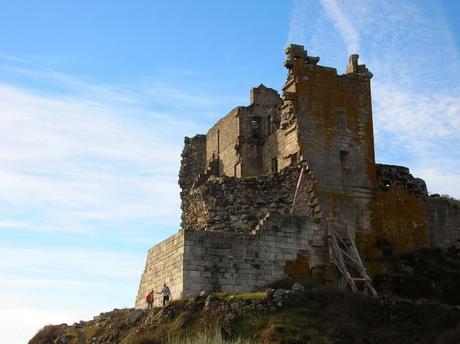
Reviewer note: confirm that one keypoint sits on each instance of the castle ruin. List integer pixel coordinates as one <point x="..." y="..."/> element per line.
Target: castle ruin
<point x="240" y="227"/>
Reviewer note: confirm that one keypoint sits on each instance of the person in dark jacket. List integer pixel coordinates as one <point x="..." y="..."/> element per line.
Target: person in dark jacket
<point x="166" y="294"/>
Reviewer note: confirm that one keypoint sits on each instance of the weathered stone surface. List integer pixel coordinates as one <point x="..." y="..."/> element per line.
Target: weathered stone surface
<point x="240" y="204"/>
<point x="240" y="229"/>
<point x="279" y="293"/>
<point x="194" y="261"/>
<point x="388" y="175"/>
<point x="164" y="265"/>
<point x="134" y="316"/>
<point x="297" y="287"/>
<point x="443" y="220"/>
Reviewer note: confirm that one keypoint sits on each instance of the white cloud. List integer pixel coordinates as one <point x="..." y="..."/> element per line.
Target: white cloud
<point x="31" y="226"/>
<point x="101" y="157"/>
<point x="38" y="265"/>
<point x="343" y="24"/>
<point x="441" y="181"/>
<point x="425" y="118"/>
<point x="298" y="22"/>
<point x="80" y="161"/>
<point x="84" y="164"/>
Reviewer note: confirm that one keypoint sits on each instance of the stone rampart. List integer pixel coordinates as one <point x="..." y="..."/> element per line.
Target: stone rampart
<point x="233" y="262"/>
<point x="164" y="265"/>
<point x="193" y="260"/>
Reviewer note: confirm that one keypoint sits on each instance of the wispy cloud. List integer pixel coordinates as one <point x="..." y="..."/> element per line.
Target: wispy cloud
<point x="416" y="67"/>
<point x="85" y="164"/>
<point x="50" y="266"/>
<point x="343" y="24"/>
<point x="68" y="155"/>
<point x="87" y="151"/>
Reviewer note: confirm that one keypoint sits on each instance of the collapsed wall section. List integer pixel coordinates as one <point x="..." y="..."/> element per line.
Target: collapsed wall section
<point x="193" y="162"/>
<point x="391" y="175"/>
<point x="239" y="204"/>
<point x="165" y="264"/>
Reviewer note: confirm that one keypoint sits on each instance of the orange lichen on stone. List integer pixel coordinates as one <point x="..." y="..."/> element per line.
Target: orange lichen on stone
<point x="366" y="242"/>
<point x="399" y="217"/>
<point x="370" y="160"/>
<point x="298" y="268"/>
<point x="333" y="199"/>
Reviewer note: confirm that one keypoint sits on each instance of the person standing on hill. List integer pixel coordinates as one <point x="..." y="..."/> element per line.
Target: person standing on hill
<point x="149" y="299"/>
<point x="166" y="294"/>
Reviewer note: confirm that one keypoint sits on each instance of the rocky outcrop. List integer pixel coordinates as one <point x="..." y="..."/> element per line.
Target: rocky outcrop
<point x="293" y="313"/>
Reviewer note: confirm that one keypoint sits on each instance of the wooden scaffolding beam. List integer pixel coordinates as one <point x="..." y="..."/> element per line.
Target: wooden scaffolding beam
<point x="346" y="258"/>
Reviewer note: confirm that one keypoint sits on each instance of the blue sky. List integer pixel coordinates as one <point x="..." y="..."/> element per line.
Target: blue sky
<point x="96" y="97"/>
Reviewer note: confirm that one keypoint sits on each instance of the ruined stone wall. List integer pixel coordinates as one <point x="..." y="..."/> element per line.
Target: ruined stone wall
<point x="193" y="260"/>
<point x="404" y="218"/>
<point x="239" y="204"/>
<point x="233" y="262"/>
<point x="165" y="264"/>
<point x="444" y="221"/>
<point x="250" y="141"/>
<point x="193" y="160"/>
<point x="398" y="217"/>
<point x="282" y="145"/>
<point x="270" y="162"/>
<point x="333" y="115"/>
<point x="285" y="143"/>
<point x="388" y="175"/>
<point x="220" y="143"/>
<point x="259" y="122"/>
<point x="237" y="140"/>
<point x="264" y="96"/>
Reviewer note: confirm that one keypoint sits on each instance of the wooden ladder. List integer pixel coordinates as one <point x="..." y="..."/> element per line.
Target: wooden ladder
<point x="346" y="258"/>
<point x="342" y="251"/>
